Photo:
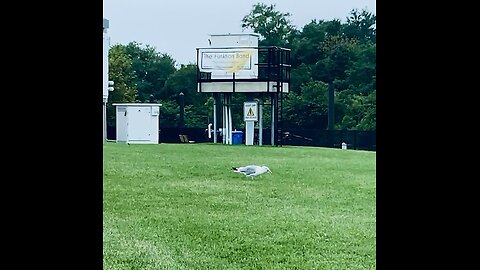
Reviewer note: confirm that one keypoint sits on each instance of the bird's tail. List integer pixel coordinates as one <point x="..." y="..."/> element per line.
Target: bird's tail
<point x="233" y="168"/>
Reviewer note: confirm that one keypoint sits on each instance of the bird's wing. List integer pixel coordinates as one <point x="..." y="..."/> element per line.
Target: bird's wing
<point x="248" y="170"/>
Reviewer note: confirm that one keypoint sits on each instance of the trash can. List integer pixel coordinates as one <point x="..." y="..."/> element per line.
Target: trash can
<point x="237" y="137"/>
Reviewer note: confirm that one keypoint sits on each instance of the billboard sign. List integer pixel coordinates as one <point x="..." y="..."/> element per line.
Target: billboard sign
<point x="222" y="63"/>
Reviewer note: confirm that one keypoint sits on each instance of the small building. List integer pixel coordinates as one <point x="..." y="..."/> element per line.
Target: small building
<point x="137" y="123"/>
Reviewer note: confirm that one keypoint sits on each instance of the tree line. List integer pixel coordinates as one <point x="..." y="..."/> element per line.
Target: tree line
<point x="322" y="53"/>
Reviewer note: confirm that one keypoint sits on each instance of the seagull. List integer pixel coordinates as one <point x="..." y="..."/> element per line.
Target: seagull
<point x="252" y="170"/>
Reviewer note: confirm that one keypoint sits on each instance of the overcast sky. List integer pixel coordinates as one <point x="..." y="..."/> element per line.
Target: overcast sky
<point x="178" y="27"/>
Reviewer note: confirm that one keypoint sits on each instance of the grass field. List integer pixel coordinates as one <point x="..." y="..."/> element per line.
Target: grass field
<point x="179" y="206"/>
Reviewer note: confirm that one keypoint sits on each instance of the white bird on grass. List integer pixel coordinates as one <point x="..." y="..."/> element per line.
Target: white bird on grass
<point x="252" y="170"/>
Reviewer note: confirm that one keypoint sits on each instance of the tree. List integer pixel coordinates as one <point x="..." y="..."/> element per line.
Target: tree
<point x="361" y="25"/>
<point x="337" y="58"/>
<point x="307" y="47"/>
<point x="274" y="27"/>
<point x="152" y="69"/>
<point x="356" y="111"/>
<point x="308" y="108"/>
<point x="361" y="75"/>
<point x="342" y="54"/>
<point x="299" y="76"/>
<point x="122" y="73"/>
<point x="169" y="113"/>
<point x="184" y="81"/>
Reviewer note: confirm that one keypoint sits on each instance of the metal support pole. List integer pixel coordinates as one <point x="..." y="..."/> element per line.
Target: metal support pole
<point x="260" y="123"/>
<point x="104" y="122"/>
<point x="229" y="112"/>
<point x="181" y="101"/>
<point x="224" y="117"/>
<point x="273" y="119"/>
<point x="214" y="119"/>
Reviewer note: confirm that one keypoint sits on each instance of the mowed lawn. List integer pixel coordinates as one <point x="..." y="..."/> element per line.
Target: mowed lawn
<point x="179" y="206"/>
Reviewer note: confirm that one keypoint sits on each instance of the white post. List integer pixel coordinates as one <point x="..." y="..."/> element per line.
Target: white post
<point x="250" y="115"/>
<point x="224" y="120"/>
<point x="214" y="120"/>
<point x="229" y="110"/>
<point x="249" y="132"/>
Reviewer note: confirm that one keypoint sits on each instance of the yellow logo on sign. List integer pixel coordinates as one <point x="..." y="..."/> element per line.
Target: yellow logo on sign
<point x="250" y="112"/>
<point x="240" y="59"/>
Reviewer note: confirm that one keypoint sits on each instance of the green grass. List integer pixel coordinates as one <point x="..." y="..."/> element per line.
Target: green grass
<point x="179" y="206"/>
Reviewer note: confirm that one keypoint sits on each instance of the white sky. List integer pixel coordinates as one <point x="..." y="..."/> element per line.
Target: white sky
<point x="178" y="27"/>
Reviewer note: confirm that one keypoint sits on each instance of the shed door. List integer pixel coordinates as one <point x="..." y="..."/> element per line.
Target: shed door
<point x="139" y="124"/>
<point x="122" y="124"/>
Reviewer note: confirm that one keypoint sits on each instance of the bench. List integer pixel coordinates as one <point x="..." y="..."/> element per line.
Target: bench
<point x="184" y="139"/>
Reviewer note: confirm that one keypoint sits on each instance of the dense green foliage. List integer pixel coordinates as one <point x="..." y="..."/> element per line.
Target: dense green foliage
<point x="322" y="52"/>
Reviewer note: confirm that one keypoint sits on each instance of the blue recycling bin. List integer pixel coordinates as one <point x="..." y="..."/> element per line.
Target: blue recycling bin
<point x="237" y="137"/>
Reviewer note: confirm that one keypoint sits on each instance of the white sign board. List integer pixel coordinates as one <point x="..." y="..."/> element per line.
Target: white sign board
<point x="222" y="63"/>
<point x="229" y="60"/>
<point x="250" y="111"/>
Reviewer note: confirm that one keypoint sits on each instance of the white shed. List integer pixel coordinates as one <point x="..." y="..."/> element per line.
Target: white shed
<point x="137" y="122"/>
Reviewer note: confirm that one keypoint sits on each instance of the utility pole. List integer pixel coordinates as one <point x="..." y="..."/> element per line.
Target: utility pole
<point x="181" y="101"/>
